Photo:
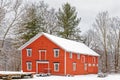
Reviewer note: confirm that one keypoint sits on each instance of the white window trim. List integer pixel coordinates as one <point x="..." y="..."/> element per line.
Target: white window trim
<point x="83" y="59"/>
<point x="55" y="53"/>
<point x="74" y="66"/>
<point x="85" y="67"/>
<point x="55" y="67"/>
<point x="28" y="53"/>
<point x="40" y="54"/>
<point x="97" y="65"/>
<point x="93" y="64"/>
<point x="70" y="54"/>
<point x="78" y="56"/>
<point x="89" y="65"/>
<point x="27" y="63"/>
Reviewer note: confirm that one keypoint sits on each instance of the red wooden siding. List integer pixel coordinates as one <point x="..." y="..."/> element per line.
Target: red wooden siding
<point x="43" y="68"/>
<point x="43" y="50"/>
<point x="43" y="43"/>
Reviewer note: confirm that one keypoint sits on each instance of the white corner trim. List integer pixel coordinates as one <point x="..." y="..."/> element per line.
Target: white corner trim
<point x="21" y="60"/>
<point x="65" y="63"/>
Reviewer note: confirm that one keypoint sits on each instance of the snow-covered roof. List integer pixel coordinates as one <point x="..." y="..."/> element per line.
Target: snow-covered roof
<point x="68" y="45"/>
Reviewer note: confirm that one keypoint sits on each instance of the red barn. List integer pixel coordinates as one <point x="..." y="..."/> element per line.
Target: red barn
<point x="46" y="53"/>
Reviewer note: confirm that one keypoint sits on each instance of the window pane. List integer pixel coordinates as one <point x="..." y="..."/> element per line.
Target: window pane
<point x="29" y="52"/>
<point x="56" y="52"/>
<point x="74" y="66"/>
<point x="29" y="65"/>
<point x="78" y="56"/>
<point x="70" y="54"/>
<point x="56" y="67"/>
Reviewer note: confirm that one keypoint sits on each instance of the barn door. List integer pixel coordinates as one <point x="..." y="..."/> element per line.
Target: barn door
<point x="42" y="55"/>
<point x="43" y="68"/>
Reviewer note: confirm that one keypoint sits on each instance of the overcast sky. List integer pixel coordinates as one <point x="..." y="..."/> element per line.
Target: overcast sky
<point x="88" y="9"/>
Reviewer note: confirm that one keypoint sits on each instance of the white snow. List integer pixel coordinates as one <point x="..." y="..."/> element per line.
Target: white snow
<point x="68" y="45"/>
<point x="71" y="46"/>
<point x="79" y="77"/>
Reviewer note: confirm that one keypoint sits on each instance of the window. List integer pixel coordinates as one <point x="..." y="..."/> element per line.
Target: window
<point x="93" y="64"/>
<point x="29" y="65"/>
<point x="70" y="54"/>
<point x="56" y="67"/>
<point x="96" y="64"/>
<point x="94" y="60"/>
<point x="89" y="65"/>
<point x="83" y="59"/>
<point x="56" y="52"/>
<point x="85" y="67"/>
<point x="74" y="66"/>
<point x="29" y="52"/>
<point x="78" y="56"/>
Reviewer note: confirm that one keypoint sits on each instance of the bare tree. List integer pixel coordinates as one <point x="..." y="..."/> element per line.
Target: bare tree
<point x="104" y="38"/>
<point x="9" y="17"/>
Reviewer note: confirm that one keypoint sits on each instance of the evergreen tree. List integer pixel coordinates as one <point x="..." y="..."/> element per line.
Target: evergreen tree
<point x="68" y="22"/>
<point x="30" y="25"/>
<point x="37" y="18"/>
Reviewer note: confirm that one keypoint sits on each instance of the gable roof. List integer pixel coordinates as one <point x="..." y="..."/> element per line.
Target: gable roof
<point x="68" y="45"/>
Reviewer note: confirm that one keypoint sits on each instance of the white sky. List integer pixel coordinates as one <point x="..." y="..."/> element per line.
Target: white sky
<point x="88" y="9"/>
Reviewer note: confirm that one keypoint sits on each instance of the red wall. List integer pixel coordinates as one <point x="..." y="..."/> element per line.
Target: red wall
<point x="45" y="44"/>
<point x="80" y="64"/>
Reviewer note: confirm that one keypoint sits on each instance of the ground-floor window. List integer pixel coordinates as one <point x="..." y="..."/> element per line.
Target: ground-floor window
<point x="29" y="65"/>
<point x="56" y="67"/>
<point x="85" y="67"/>
<point x="89" y="65"/>
<point x="74" y="66"/>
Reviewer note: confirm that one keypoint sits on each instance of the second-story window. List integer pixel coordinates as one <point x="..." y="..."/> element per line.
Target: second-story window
<point x="78" y="56"/>
<point x="70" y="54"/>
<point x="56" y="52"/>
<point x="83" y="59"/>
<point x="29" y="52"/>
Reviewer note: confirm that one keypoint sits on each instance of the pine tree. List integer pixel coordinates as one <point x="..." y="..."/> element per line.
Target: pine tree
<point x="68" y="22"/>
<point x="37" y="18"/>
<point x="31" y="27"/>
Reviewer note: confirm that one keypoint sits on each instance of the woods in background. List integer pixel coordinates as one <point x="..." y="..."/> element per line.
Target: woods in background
<point x="104" y="38"/>
<point x="20" y="21"/>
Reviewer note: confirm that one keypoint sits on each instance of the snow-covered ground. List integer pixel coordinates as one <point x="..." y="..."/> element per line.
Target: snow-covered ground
<point x="77" y="77"/>
<point x="80" y="77"/>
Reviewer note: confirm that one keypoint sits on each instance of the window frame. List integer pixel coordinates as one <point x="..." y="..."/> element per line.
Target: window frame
<point x="57" y="53"/>
<point x="89" y="65"/>
<point x="74" y="65"/>
<point x="97" y="65"/>
<point x="56" y="70"/>
<point x="93" y="65"/>
<point x="85" y="67"/>
<point x="29" y="66"/>
<point x="78" y="56"/>
<point x="70" y="54"/>
<point x="29" y="54"/>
